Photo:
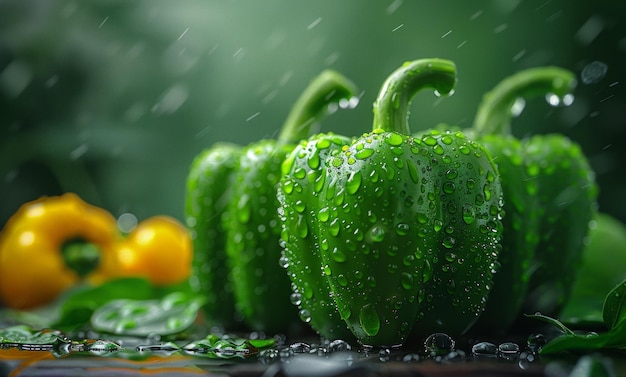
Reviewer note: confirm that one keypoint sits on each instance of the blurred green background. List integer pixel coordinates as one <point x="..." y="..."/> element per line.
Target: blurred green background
<point x="113" y="99"/>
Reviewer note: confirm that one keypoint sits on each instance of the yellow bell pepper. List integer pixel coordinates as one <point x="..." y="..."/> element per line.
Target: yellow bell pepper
<point x="34" y="270"/>
<point x="159" y="249"/>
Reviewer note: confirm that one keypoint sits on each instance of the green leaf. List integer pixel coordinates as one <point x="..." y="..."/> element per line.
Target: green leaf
<point x="24" y="337"/>
<point x="614" y="315"/>
<point x="172" y="314"/>
<point x="573" y="342"/>
<point x="22" y="334"/>
<point x="554" y="322"/>
<point x="77" y="308"/>
<point x="614" y="310"/>
<point x="262" y="343"/>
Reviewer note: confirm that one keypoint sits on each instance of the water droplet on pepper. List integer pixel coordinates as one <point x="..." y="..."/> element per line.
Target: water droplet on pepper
<point x="376" y="234"/>
<point x="353" y="183"/>
<point x="369" y="320"/>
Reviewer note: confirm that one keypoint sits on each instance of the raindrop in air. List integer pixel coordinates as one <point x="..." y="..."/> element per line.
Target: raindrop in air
<point x="171" y="100"/>
<point x="593" y="72"/>
<point x="79" y="151"/>
<point x="15" y="78"/>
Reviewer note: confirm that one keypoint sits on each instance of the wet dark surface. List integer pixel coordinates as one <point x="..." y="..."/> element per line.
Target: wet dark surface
<point x="438" y="356"/>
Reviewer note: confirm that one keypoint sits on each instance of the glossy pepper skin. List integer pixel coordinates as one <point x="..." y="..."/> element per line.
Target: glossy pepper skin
<point x="209" y="189"/>
<point x="231" y="209"/>
<point x="44" y="237"/>
<point x="159" y="249"/>
<point x="32" y="268"/>
<point x="550" y="198"/>
<point x="388" y="234"/>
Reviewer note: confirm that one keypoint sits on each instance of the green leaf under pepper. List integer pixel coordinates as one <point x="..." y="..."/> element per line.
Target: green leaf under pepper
<point x="614" y="314"/>
<point x="169" y="315"/>
<point x="24" y="335"/>
<point x="614" y="309"/>
<point x="76" y="309"/>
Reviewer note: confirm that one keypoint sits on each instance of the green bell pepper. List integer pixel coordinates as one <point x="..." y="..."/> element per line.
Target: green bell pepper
<point x="549" y="200"/>
<point x="231" y="210"/>
<point x="388" y="234"/>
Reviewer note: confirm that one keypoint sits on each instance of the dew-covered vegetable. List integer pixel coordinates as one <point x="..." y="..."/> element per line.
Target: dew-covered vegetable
<point x="549" y="200"/>
<point x="55" y="243"/>
<point x="36" y="240"/>
<point x="389" y="233"/>
<point x="231" y="208"/>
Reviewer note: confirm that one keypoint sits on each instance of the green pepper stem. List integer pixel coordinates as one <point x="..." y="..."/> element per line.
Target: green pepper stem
<point x="327" y="88"/>
<point x="498" y="106"/>
<point x="80" y="256"/>
<point x="391" y="108"/>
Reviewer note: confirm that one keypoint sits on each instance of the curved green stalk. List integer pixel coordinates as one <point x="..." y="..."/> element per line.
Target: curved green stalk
<point x="327" y="88"/>
<point x="391" y="107"/>
<point x="497" y="108"/>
